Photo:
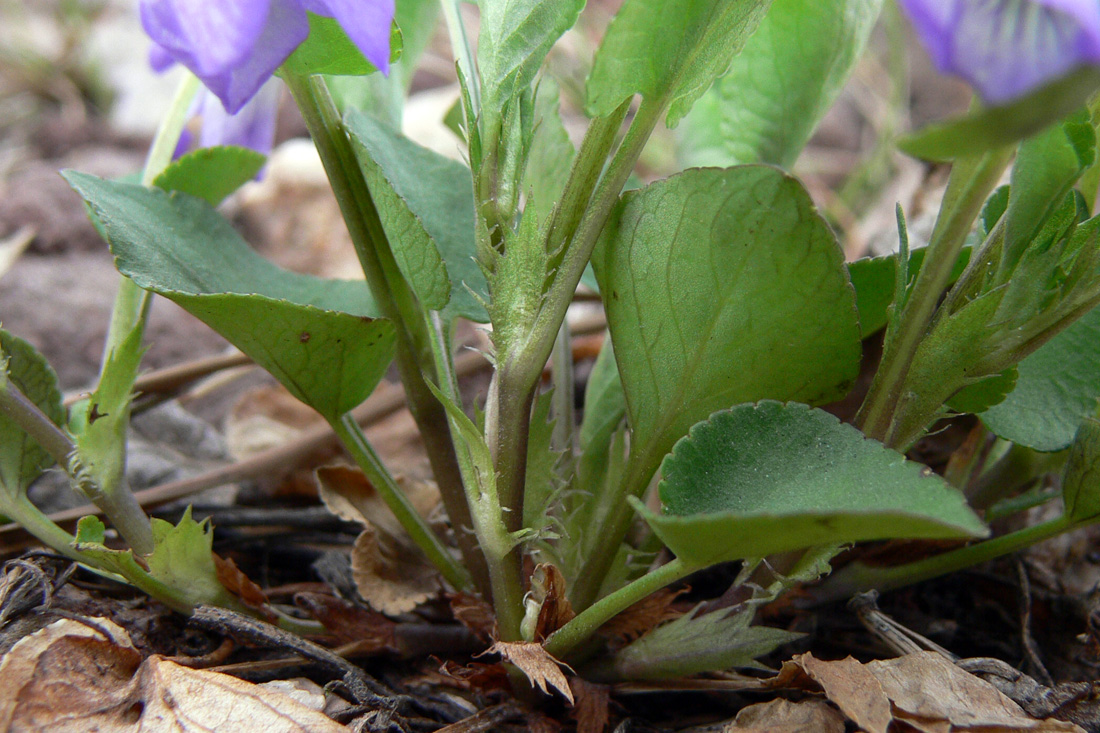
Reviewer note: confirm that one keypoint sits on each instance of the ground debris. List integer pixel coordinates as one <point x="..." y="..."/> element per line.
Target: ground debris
<point x="924" y="691"/>
<point x="81" y="676"/>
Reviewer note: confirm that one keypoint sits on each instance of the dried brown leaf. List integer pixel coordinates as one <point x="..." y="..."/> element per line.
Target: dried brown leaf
<point x="474" y="613"/>
<point x="854" y="689"/>
<point x="391" y="575"/>
<point x="236" y="582"/>
<point x="372" y="632"/>
<point x="542" y="669"/>
<point x="812" y="715"/>
<point x="643" y="616"/>
<point x="592" y="707"/>
<point x="548" y="590"/>
<point x="477" y="675"/>
<point x="931" y="694"/>
<point x="68" y="677"/>
<point x="349" y="495"/>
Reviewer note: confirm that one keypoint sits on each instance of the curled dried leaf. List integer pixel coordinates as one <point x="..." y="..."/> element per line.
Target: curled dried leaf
<point x="390" y="573"/>
<point x="542" y="669"/>
<point x="239" y="584"/>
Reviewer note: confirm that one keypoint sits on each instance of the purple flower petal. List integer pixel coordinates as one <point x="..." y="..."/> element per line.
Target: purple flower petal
<point x="253" y="127"/>
<point x="233" y="46"/>
<point x="206" y="37"/>
<point x="367" y="23"/>
<point x="1005" y="48"/>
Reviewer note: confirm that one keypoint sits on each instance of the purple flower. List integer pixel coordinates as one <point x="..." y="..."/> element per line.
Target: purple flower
<point x="233" y="46"/>
<point x="252" y="127"/>
<point x="1005" y="48"/>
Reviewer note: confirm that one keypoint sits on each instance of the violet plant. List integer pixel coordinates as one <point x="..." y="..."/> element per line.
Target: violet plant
<point x="732" y="316"/>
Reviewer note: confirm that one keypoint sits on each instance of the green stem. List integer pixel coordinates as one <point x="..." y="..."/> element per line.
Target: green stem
<point x="857" y="577"/>
<point x="18" y="408"/>
<point x="578" y="251"/>
<point x="561" y="370"/>
<point x="351" y="435"/>
<point x="568" y="637"/>
<point x="394" y="298"/>
<point x="971" y="182"/>
<point x="29" y="517"/>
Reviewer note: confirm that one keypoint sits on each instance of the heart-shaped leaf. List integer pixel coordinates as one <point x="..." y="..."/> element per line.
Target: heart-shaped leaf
<point x="318" y="337"/>
<point x="723" y="286"/>
<point x="765" y="478"/>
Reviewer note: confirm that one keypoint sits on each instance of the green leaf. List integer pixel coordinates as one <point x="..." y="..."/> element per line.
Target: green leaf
<point x="318" y="337"/>
<point x="995" y="127"/>
<point x="1046" y="168"/>
<point x="722" y="287"/>
<point x="668" y="50"/>
<point x="328" y="50"/>
<point x="22" y="460"/>
<point x="604" y="401"/>
<point x="698" y="642"/>
<point x="778" y="88"/>
<point x="211" y="173"/>
<point x="760" y="479"/>
<point x="1058" y="386"/>
<point x="514" y="39"/>
<point x="180" y="572"/>
<point x="986" y="393"/>
<point x="873" y="279"/>
<point x="542" y="480"/>
<point x="426" y="203"/>
<point x="1081" y="479"/>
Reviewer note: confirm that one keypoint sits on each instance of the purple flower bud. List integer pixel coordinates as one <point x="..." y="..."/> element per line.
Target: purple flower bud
<point x="234" y="46"/>
<point x="1006" y="48"/>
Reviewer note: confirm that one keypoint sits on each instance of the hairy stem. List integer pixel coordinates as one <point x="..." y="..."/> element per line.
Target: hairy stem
<point x="971" y="182"/>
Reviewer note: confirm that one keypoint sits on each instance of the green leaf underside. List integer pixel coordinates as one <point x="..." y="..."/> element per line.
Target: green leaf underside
<point x="760" y="479"/>
<point x="670" y="49"/>
<point x="777" y="89"/>
<point x="873" y="279"/>
<point x="426" y="203"/>
<point x="317" y="337"/>
<point x="698" y="642"/>
<point x="328" y="50"/>
<point x="723" y="287"/>
<point x="22" y="460"/>
<point x="211" y="174"/>
<point x="1058" y="386"/>
<point x="515" y="37"/>
<point x="995" y="127"/>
